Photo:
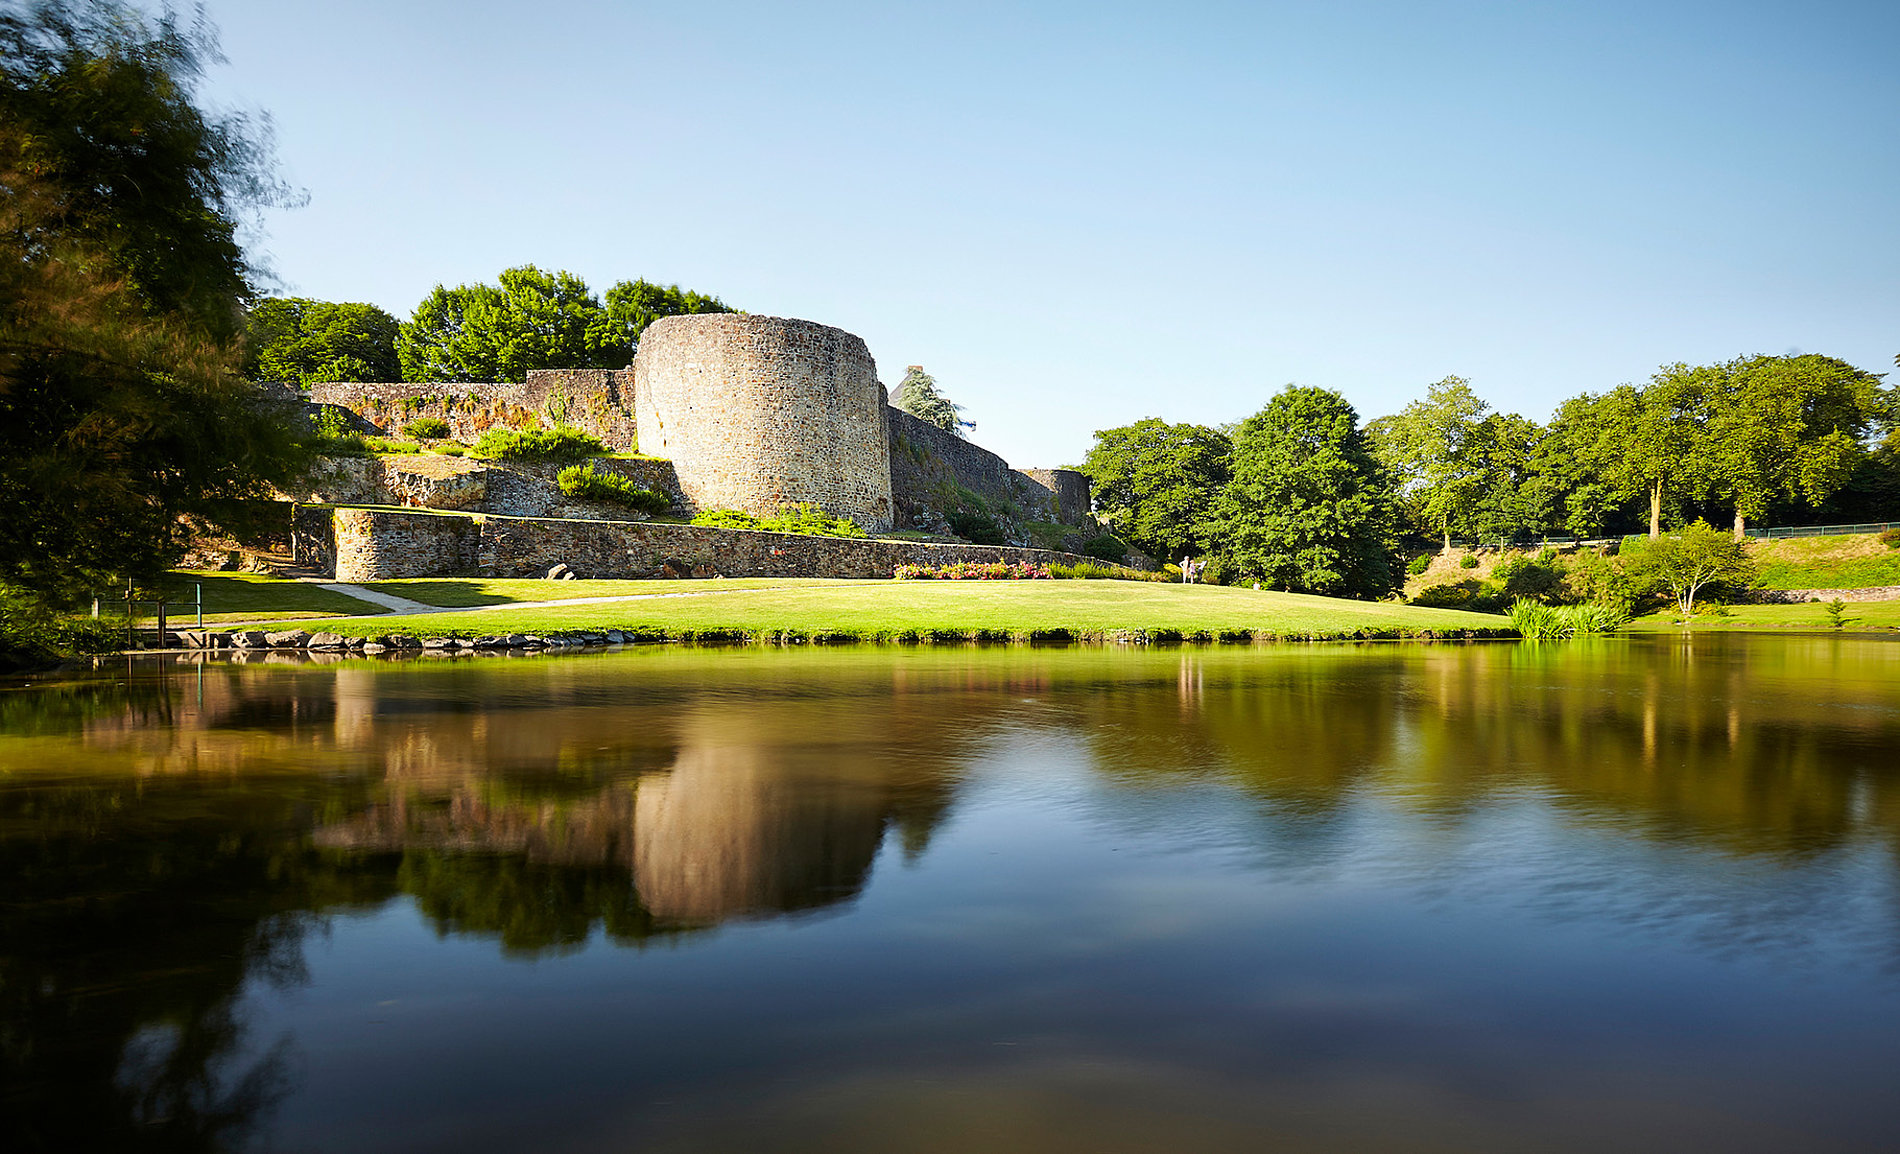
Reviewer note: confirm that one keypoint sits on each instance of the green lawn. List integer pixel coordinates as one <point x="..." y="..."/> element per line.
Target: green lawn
<point x="1848" y="561"/>
<point x="469" y="592"/>
<point x="252" y="597"/>
<point x="1860" y="617"/>
<point x="870" y="609"/>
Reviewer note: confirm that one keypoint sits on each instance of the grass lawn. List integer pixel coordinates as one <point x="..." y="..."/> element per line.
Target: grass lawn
<point x="251" y="597"/>
<point x="1860" y="617"/>
<point x="1856" y="561"/>
<point x="871" y="609"/>
<point x="469" y="592"/>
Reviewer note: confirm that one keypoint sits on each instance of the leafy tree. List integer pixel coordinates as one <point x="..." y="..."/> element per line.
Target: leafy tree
<point x="1157" y="483"/>
<point x="1659" y="436"/>
<point x="1685" y="563"/>
<point x="1786" y="428"/>
<point x="1308" y="509"/>
<point x="1570" y="478"/>
<point x="635" y="304"/>
<point x="531" y="320"/>
<point x="1499" y="452"/>
<point x="123" y="409"/>
<point x="1429" y="448"/>
<point x="917" y="395"/>
<point x="303" y="341"/>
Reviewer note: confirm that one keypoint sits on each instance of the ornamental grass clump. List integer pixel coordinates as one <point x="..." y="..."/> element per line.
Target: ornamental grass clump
<point x="1535" y="621"/>
<point x="974" y="571"/>
<point x="1092" y="571"/>
<point x="585" y="483"/>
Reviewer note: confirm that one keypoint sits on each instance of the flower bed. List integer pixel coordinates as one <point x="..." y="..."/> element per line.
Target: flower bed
<point x="974" y="571"/>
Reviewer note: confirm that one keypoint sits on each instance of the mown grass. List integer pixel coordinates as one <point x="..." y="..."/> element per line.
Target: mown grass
<point x="473" y="592"/>
<point x="884" y="610"/>
<point x="250" y="597"/>
<point x="1860" y="617"/>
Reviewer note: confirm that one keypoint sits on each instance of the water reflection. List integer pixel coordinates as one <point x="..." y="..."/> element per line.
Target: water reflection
<point x="171" y="839"/>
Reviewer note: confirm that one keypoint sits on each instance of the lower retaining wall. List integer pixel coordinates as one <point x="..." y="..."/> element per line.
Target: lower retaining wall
<point x="381" y="544"/>
<point x="1787" y="596"/>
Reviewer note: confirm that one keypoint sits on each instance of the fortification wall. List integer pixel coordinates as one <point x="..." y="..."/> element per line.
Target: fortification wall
<point x="760" y="412"/>
<point x="598" y="401"/>
<point x="926" y="459"/>
<point x="510" y="488"/>
<point x="383" y="544"/>
<point x="1073" y="498"/>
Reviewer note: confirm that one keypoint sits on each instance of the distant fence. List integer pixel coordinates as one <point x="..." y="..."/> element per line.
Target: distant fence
<point x="1824" y="530"/>
<point x="1759" y="534"/>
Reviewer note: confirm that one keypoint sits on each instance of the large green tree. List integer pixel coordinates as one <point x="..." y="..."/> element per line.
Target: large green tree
<point x="1786" y="429"/>
<point x="632" y="305"/>
<point x="1660" y="436"/>
<point x="1309" y="509"/>
<point x="1156" y="484"/>
<point x="303" y="341"/>
<point x="123" y="408"/>
<point x="530" y="320"/>
<point x="1431" y="448"/>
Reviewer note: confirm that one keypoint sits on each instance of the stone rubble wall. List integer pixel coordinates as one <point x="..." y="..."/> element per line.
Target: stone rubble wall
<point x="508" y="488"/>
<point x="760" y="412"/>
<point x="597" y="401"/>
<point x="925" y="459"/>
<point x="383" y="544"/>
<point x="1796" y="596"/>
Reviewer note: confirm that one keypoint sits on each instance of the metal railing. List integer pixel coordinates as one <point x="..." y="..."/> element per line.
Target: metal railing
<point x="1823" y="530"/>
<point x="134" y="632"/>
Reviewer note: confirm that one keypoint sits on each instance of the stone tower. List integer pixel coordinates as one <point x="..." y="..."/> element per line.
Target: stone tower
<point x="759" y="412"/>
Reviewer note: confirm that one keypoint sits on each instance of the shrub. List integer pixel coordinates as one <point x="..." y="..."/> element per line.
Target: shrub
<point x="1535" y="621"/>
<point x="538" y="445"/>
<point x="1540" y="578"/>
<point x="1467" y="562"/>
<point x="727" y="519"/>
<point x="1105" y="547"/>
<point x="334" y="437"/>
<point x="1890" y="538"/>
<point x="976" y="527"/>
<point x="451" y="449"/>
<point x="583" y="483"/>
<point x="1450" y="595"/>
<point x="806" y="519"/>
<point x="426" y="429"/>
<point x="1419" y="564"/>
<point x="389" y="445"/>
<point x="34" y="634"/>
<point x="1836" y="610"/>
<point x="1089" y="571"/>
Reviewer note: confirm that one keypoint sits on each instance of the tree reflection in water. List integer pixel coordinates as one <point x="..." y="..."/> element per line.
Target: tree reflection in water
<point x="171" y="838"/>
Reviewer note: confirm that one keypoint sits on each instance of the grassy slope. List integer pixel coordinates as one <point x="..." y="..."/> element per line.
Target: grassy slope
<point x="1857" y="561"/>
<point x="868" y="608"/>
<point x="1860" y="617"/>
<point x="255" y="597"/>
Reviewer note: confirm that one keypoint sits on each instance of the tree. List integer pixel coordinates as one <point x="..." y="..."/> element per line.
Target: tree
<point x="1786" y="428"/>
<point x="303" y="341"/>
<point x="122" y="407"/>
<point x="1689" y="561"/>
<point x="1570" y="476"/>
<point x="1308" y="508"/>
<point x="531" y="320"/>
<point x="917" y="395"/>
<point x="1658" y="436"/>
<point x="635" y="304"/>
<point x="1427" y="448"/>
<point x="1156" y="483"/>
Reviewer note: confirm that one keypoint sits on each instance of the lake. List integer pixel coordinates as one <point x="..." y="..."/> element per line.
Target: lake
<point x="1633" y="894"/>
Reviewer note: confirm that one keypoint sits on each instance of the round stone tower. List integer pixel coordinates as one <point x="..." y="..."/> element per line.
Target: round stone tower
<point x="759" y="412"/>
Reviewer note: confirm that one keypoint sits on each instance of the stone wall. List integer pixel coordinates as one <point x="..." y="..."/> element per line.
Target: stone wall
<point x="760" y="412"/>
<point x="380" y="544"/>
<point x="598" y="401"/>
<point x="926" y="460"/>
<point x="1796" y="596"/>
<point x="511" y="488"/>
<point x="1073" y="498"/>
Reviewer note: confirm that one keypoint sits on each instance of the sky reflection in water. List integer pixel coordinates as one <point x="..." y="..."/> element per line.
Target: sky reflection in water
<point x="1637" y="894"/>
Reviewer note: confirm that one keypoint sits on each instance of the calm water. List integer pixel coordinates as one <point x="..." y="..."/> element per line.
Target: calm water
<point x="1633" y="895"/>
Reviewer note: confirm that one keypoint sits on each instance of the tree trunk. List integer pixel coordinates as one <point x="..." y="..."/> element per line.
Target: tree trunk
<point x="1741" y="525"/>
<point x="1655" y="511"/>
<point x="1447" y="540"/>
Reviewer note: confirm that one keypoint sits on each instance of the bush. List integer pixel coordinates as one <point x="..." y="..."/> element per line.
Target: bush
<point x="976" y="527"/>
<point x="1105" y="547"/>
<point x="1419" y="564"/>
<point x="1089" y="571"/>
<point x="538" y="445"/>
<point x="1890" y="538"/>
<point x="1467" y="562"/>
<point x="727" y="519"/>
<point x="1540" y="578"/>
<point x="34" y="634"/>
<point x="1535" y="621"/>
<point x="389" y="445"/>
<point x="583" y="483"/>
<point x="426" y="429"/>
<point x="1450" y="595"/>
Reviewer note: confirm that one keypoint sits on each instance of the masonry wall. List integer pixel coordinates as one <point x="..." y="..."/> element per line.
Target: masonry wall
<point x="760" y="412"/>
<point x="598" y="401"/>
<point x="925" y="458"/>
<point x="377" y="545"/>
<point x="511" y="488"/>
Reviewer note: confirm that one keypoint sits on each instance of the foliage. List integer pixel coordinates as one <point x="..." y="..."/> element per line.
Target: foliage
<point x="35" y="634"/>
<point x="1105" y="547"/>
<point x="302" y="341"/>
<point x="531" y="320"/>
<point x="1428" y="449"/>
<point x="1467" y="562"/>
<point x="1419" y="564"/>
<point x="537" y="445"/>
<point x="1538" y="578"/>
<point x="802" y="518"/>
<point x="1090" y="571"/>
<point x="1685" y="563"/>
<point x="123" y="413"/>
<point x="1156" y="483"/>
<point x="1836" y="613"/>
<point x="1308" y="508"/>
<point x="974" y="571"/>
<point x="975" y="526"/>
<point x="584" y="483"/>
<point x="633" y="305"/>
<point x="1787" y="428"/>
<point x="1449" y="594"/>
<point x="1890" y="538"/>
<point x="426" y="429"/>
<point x="917" y="394"/>
<point x="1595" y="579"/>
<point x="1535" y="621"/>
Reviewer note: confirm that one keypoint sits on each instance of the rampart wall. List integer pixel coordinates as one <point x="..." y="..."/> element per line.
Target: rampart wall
<point x="513" y="488"/>
<point x="383" y="544"/>
<point x="760" y="412"/>
<point x="925" y="458"/>
<point x="599" y="401"/>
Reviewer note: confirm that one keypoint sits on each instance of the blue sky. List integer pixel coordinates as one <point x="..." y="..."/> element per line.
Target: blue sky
<point x="1076" y="216"/>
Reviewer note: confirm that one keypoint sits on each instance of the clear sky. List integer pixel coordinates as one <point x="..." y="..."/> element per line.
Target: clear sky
<point x="1078" y="215"/>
